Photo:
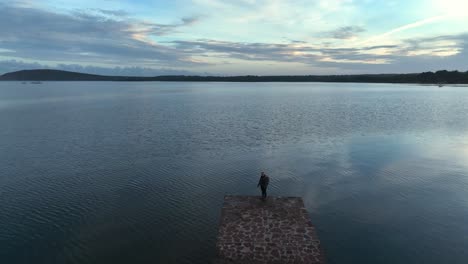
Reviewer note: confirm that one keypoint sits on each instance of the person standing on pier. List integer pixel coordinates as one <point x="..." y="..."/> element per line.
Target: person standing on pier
<point x="263" y="184"/>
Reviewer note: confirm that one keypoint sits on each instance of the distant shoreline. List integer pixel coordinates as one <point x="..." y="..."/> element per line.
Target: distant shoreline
<point x="439" y="77"/>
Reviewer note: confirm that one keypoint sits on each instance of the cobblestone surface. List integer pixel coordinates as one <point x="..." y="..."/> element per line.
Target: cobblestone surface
<point x="275" y="231"/>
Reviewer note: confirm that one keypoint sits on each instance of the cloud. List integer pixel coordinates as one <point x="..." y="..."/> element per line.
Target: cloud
<point x="13" y="65"/>
<point x="404" y="57"/>
<point x="419" y="54"/>
<point x="116" y="13"/>
<point x="288" y="36"/>
<point x="346" y="58"/>
<point x="91" y="37"/>
<point x="291" y="52"/>
<point x="347" y="32"/>
<point x="416" y="24"/>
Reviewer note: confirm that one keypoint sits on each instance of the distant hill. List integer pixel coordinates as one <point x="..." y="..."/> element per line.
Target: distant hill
<point x="449" y="77"/>
<point x="52" y="75"/>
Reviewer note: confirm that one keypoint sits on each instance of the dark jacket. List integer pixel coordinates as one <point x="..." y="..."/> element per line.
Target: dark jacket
<point x="264" y="180"/>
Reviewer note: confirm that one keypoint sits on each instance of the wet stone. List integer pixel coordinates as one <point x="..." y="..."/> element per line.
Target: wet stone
<point x="277" y="230"/>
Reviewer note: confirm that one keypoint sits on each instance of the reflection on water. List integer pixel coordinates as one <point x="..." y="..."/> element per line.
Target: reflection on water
<point x="135" y="172"/>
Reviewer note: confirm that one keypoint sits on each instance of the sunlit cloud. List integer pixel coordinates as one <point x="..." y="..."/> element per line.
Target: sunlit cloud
<point x="416" y="24"/>
<point x="370" y="61"/>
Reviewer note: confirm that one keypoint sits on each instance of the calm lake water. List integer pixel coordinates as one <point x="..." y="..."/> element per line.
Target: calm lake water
<point x="115" y="172"/>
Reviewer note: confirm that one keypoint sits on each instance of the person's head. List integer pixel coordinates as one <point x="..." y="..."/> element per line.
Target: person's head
<point x="263" y="173"/>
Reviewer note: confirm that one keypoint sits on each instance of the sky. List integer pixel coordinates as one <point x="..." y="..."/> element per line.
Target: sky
<point x="214" y="37"/>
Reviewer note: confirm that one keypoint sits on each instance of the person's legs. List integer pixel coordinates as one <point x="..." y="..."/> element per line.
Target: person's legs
<point x="264" y="194"/>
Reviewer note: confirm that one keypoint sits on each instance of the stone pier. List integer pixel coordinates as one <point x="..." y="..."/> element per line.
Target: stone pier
<point x="275" y="231"/>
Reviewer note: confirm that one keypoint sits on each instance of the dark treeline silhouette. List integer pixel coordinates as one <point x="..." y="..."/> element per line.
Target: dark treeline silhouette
<point x="444" y="77"/>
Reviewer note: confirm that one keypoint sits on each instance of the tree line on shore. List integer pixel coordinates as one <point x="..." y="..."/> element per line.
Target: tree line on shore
<point x="438" y="77"/>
